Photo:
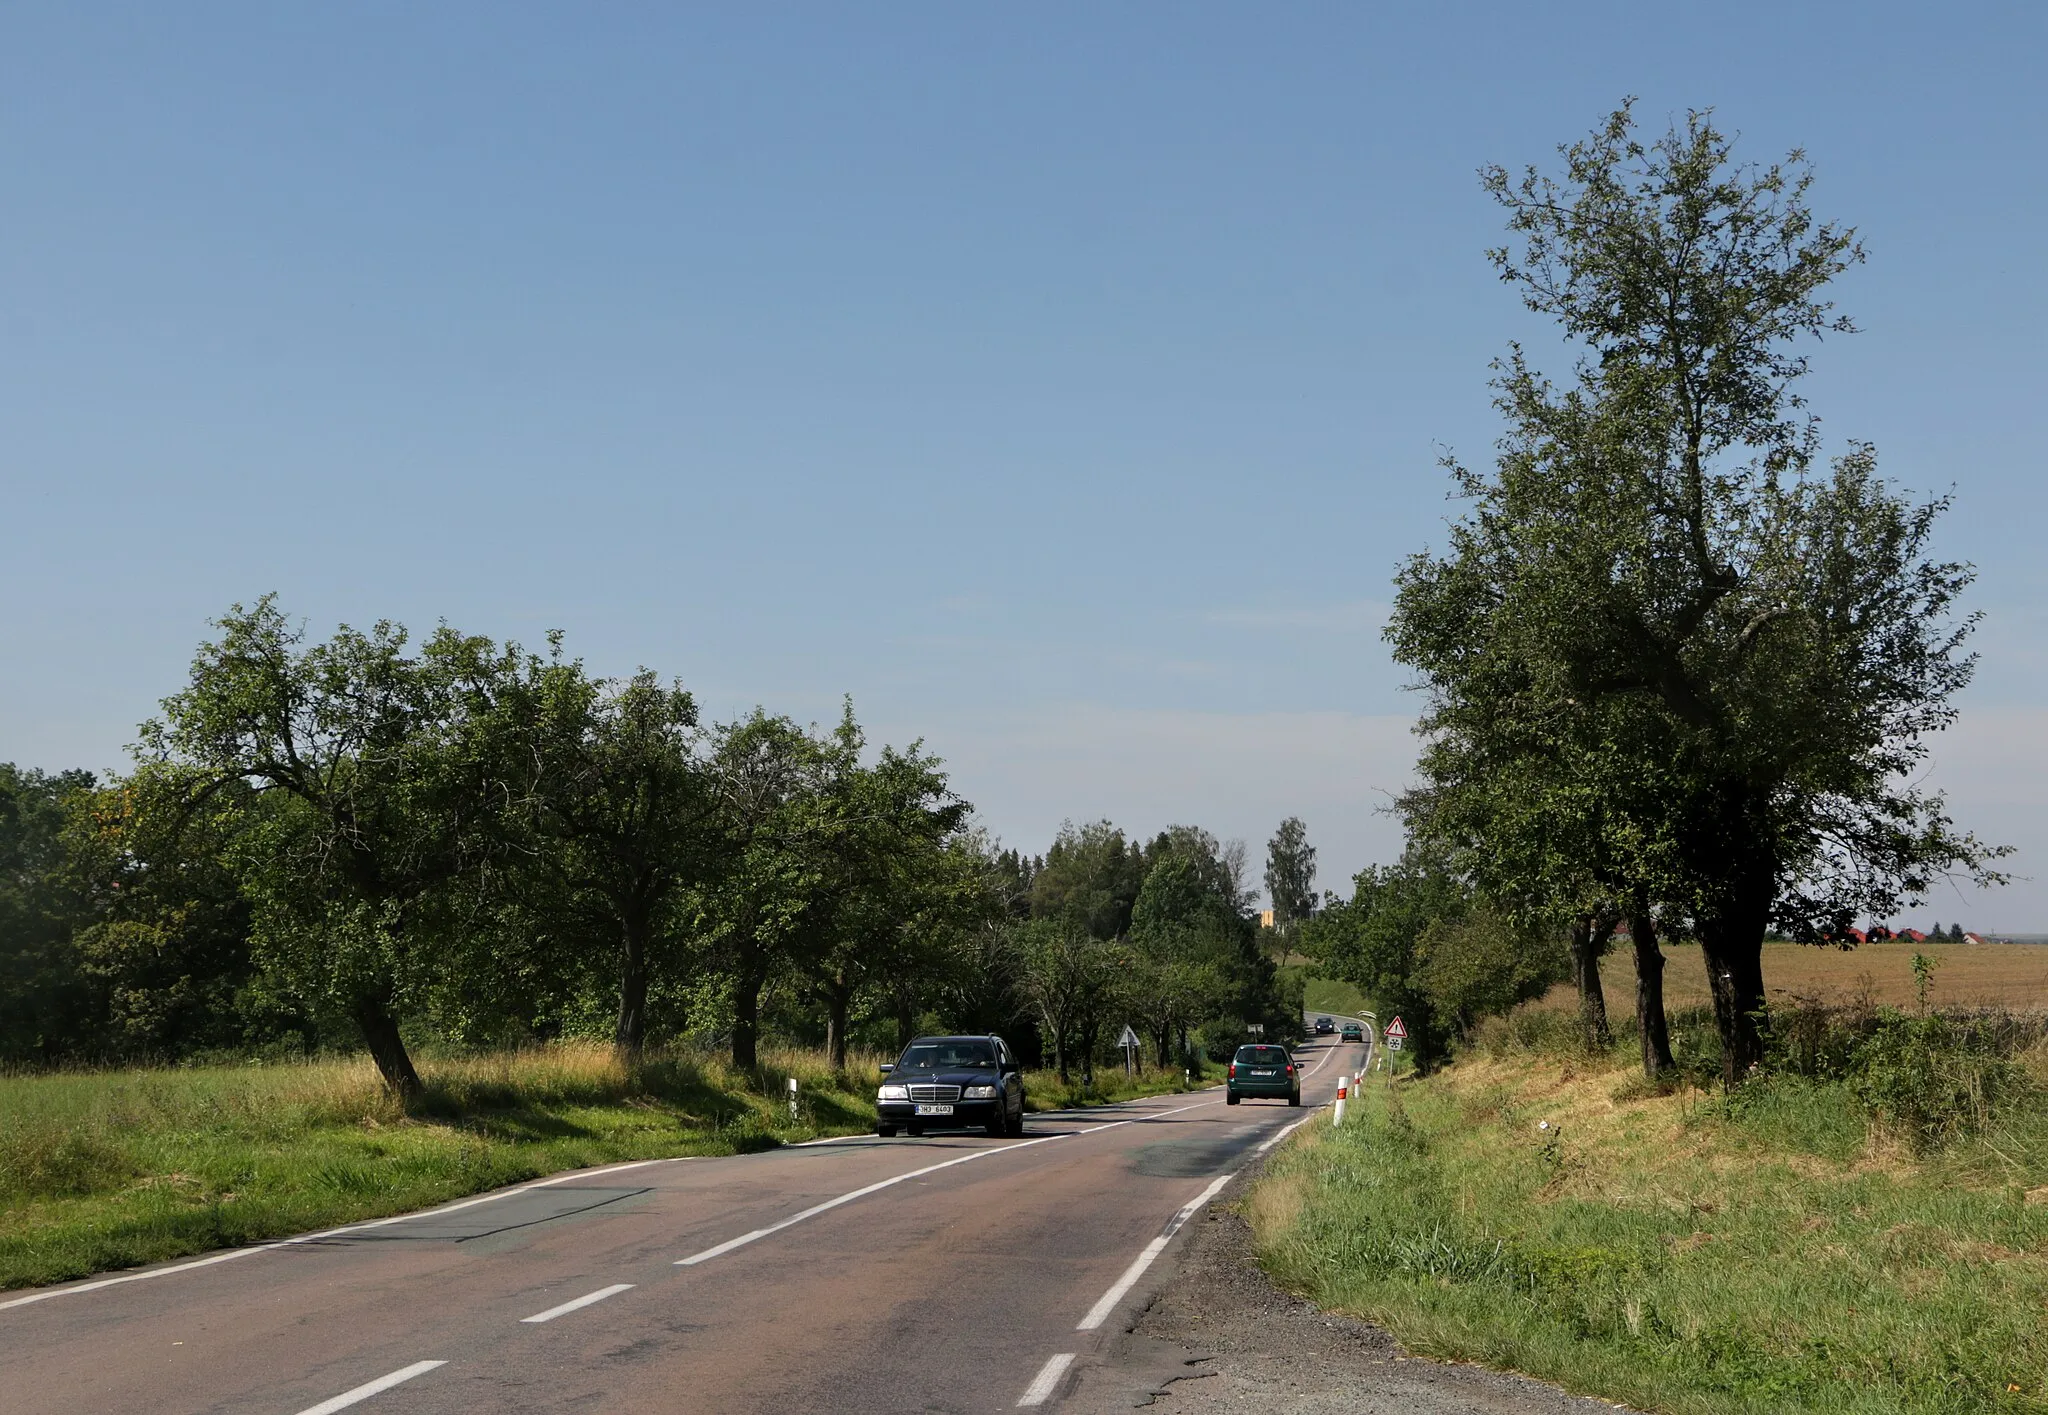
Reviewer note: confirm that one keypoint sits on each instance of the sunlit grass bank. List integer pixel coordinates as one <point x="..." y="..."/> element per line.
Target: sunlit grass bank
<point x="1043" y="1090"/>
<point x="103" y="1170"/>
<point x="1678" y="1253"/>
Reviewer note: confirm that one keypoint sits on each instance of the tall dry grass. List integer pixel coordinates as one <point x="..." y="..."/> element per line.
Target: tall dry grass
<point x="102" y="1169"/>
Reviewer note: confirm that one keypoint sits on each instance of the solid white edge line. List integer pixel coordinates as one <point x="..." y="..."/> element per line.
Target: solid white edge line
<point x="1047" y="1380"/>
<point x="1099" y="1313"/>
<point x="365" y="1391"/>
<point x="577" y="1304"/>
<point x="253" y="1249"/>
<point x="1106" y="1304"/>
<point x="744" y="1239"/>
<point x="1266" y="1145"/>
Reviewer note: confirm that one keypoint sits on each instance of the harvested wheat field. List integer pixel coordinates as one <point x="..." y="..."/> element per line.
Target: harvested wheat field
<point x="2012" y="977"/>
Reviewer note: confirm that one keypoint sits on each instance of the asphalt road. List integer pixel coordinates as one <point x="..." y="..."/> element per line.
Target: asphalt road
<point x="951" y="1273"/>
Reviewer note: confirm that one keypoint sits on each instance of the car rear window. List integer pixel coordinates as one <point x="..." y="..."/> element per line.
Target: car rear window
<point x="1262" y="1056"/>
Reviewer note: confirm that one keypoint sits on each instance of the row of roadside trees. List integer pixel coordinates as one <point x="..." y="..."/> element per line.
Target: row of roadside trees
<point x="1679" y="670"/>
<point x="364" y="840"/>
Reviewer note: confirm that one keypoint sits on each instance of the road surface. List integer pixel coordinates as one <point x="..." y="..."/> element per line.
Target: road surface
<point x="951" y="1273"/>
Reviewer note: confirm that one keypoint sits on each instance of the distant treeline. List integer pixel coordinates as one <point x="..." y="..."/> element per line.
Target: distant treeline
<point x="365" y="842"/>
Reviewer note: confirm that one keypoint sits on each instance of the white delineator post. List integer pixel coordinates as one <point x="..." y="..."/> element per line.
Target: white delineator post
<point x="1343" y="1086"/>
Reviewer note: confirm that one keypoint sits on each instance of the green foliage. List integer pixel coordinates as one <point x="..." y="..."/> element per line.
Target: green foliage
<point x="1485" y="963"/>
<point x="458" y="845"/>
<point x="1416" y="940"/>
<point x="1291" y="876"/>
<point x="1671" y="661"/>
<point x="45" y="993"/>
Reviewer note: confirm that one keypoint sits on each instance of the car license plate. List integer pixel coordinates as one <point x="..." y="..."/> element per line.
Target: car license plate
<point x="935" y="1110"/>
<point x="1267" y="1072"/>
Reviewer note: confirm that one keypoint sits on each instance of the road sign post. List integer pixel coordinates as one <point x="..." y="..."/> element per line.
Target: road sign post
<point x="1131" y="1045"/>
<point x="792" y="1100"/>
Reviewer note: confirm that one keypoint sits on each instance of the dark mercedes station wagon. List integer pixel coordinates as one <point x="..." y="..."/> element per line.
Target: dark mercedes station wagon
<point x="946" y="1083"/>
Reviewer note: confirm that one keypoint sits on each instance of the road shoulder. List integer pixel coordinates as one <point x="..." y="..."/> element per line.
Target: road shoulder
<point x="1197" y="1349"/>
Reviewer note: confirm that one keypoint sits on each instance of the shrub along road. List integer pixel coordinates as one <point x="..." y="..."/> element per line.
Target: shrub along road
<point x="952" y="1273"/>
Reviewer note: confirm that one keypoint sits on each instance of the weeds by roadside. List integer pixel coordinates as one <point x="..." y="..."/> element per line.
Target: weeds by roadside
<point x="1862" y="1236"/>
<point x="1044" y="1091"/>
<point x="102" y="1170"/>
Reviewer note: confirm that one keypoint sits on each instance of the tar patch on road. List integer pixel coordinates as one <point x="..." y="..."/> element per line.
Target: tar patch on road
<point x="1193" y="1158"/>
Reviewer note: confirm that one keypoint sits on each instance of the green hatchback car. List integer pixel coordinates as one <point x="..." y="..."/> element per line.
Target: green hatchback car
<point x="1262" y="1071"/>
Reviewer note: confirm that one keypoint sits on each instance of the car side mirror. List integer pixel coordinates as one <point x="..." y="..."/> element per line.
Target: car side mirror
<point x="887" y="1067"/>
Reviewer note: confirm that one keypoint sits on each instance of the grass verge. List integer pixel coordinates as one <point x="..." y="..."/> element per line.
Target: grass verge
<point x="102" y="1170"/>
<point x="1678" y="1253"/>
<point x="1043" y="1090"/>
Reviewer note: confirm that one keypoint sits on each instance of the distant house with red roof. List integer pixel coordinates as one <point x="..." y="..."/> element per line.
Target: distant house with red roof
<point x="1911" y="936"/>
<point x="1973" y="938"/>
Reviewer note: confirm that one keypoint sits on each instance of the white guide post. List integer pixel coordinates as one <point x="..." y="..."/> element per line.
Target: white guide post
<point x="1343" y="1088"/>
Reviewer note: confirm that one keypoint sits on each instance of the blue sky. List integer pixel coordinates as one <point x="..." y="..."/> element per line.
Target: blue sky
<point x="1064" y="382"/>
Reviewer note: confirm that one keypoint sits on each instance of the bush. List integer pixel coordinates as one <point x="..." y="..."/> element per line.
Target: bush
<point x="1220" y="1037"/>
<point x="1932" y="1080"/>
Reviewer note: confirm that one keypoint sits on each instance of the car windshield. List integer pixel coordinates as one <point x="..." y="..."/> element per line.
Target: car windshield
<point x="1262" y="1056"/>
<point x="940" y="1056"/>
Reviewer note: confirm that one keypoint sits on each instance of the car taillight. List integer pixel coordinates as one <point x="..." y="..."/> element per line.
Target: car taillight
<point x="1231" y="1072"/>
<point x="1290" y="1068"/>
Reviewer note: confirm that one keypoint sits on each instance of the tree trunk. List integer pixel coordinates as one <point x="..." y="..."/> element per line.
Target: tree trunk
<point x="631" y="1036"/>
<point x="906" y="1019"/>
<point x="387" y="1047"/>
<point x="1589" y="939"/>
<point x="746" y="1018"/>
<point x="1732" y="943"/>
<point x="838" y="1003"/>
<point x="1650" y="1023"/>
<point x="1421" y="1036"/>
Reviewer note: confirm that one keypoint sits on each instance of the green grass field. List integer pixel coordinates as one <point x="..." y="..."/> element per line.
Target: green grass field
<point x="109" y="1169"/>
<point x="1677" y="1253"/>
<point x="1333" y="996"/>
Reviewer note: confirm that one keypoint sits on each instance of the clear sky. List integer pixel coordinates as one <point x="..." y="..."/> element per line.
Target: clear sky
<point x="1064" y="382"/>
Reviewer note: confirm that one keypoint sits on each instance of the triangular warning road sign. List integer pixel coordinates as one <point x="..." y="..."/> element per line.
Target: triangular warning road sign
<point x="1396" y="1029"/>
<point x="1129" y="1039"/>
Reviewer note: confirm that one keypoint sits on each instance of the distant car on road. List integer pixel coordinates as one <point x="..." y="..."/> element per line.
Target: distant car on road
<point x="1353" y="1033"/>
<point x="1262" y="1071"/>
<point x="1324" y="1026"/>
<point x="950" y="1083"/>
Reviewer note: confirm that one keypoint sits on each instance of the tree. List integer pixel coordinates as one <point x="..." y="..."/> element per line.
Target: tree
<point x="1377" y="939"/>
<point x="1290" y="876"/>
<point x="751" y="910"/>
<point x="1066" y="973"/>
<point x="1484" y="962"/>
<point x="893" y="896"/>
<point x="379" y="810"/>
<point x="619" y="807"/>
<point x="48" y="1007"/>
<point x="1657" y="577"/>
<point x="1091" y="877"/>
<point x="168" y="945"/>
